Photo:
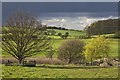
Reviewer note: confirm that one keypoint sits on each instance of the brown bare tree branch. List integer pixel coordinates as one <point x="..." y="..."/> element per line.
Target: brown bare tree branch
<point x="23" y="36"/>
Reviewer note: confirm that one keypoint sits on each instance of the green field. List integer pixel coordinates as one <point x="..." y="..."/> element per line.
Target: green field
<point x="62" y="71"/>
<point x="71" y="32"/>
<point x="113" y="48"/>
<point x="58" y="71"/>
<point x="57" y="42"/>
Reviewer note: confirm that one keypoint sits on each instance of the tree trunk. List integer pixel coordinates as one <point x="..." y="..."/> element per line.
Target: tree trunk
<point x="91" y="61"/>
<point x="20" y="61"/>
<point x="69" y="61"/>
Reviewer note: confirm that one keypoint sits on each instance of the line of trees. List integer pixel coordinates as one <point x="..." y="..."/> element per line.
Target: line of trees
<point x="109" y="26"/>
<point x="53" y="27"/>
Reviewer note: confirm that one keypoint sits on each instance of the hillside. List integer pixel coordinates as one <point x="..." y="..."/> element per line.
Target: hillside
<point x="109" y="26"/>
<point x="72" y="33"/>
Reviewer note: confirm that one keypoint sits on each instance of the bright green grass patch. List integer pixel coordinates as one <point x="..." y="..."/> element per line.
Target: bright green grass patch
<point x="71" y="32"/>
<point x="56" y="37"/>
<point x="114" y="47"/>
<point x="58" y="72"/>
<point x="106" y="35"/>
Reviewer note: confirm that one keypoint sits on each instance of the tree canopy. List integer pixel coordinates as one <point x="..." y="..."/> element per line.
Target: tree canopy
<point x="71" y="51"/>
<point x="97" y="48"/>
<point x="102" y="27"/>
<point x="23" y="36"/>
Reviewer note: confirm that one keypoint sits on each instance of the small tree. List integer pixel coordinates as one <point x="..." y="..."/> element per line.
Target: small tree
<point x="66" y="34"/>
<point x="97" y="48"/>
<point x="50" y="53"/>
<point x="71" y="51"/>
<point x="63" y="36"/>
<point x="23" y="36"/>
<point x="59" y="34"/>
<point x="52" y="31"/>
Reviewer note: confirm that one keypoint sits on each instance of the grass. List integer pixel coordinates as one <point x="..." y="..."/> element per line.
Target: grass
<point x="72" y="33"/>
<point x="113" y="48"/>
<point x="62" y="71"/>
<point x="57" y="42"/>
<point x="55" y="71"/>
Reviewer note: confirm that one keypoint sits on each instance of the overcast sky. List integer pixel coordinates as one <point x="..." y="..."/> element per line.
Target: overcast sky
<point x="74" y="15"/>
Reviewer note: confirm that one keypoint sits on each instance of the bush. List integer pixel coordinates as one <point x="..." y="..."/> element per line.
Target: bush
<point x="59" y="34"/>
<point x="71" y="51"/>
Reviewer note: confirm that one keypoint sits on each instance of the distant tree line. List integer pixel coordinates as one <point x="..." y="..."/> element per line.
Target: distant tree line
<point x="109" y="26"/>
<point x="60" y="28"/>
<point x="53" y="27"/>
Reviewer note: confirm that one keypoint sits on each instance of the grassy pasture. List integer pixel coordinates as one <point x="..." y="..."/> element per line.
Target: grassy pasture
<point x="57" y="42"/>
<point x="62" y="71"/>
<point x="71" y="32"/>
<point x="58" y="71"/>
<point x="114" y="47"/>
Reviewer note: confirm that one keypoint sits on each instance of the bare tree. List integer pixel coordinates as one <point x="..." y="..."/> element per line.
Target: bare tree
<point x="71" y="51"/>
<point x="23" y="36"/>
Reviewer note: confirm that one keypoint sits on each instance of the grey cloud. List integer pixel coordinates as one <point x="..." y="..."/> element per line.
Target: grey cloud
<point x="77" y="23"/>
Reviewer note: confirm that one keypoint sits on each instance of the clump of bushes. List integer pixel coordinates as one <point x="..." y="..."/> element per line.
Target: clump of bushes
<point x="71" y="51"/>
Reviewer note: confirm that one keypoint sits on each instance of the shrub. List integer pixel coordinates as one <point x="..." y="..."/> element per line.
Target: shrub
<point x="71" y="51"/>
<point x="59" y="34"/>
